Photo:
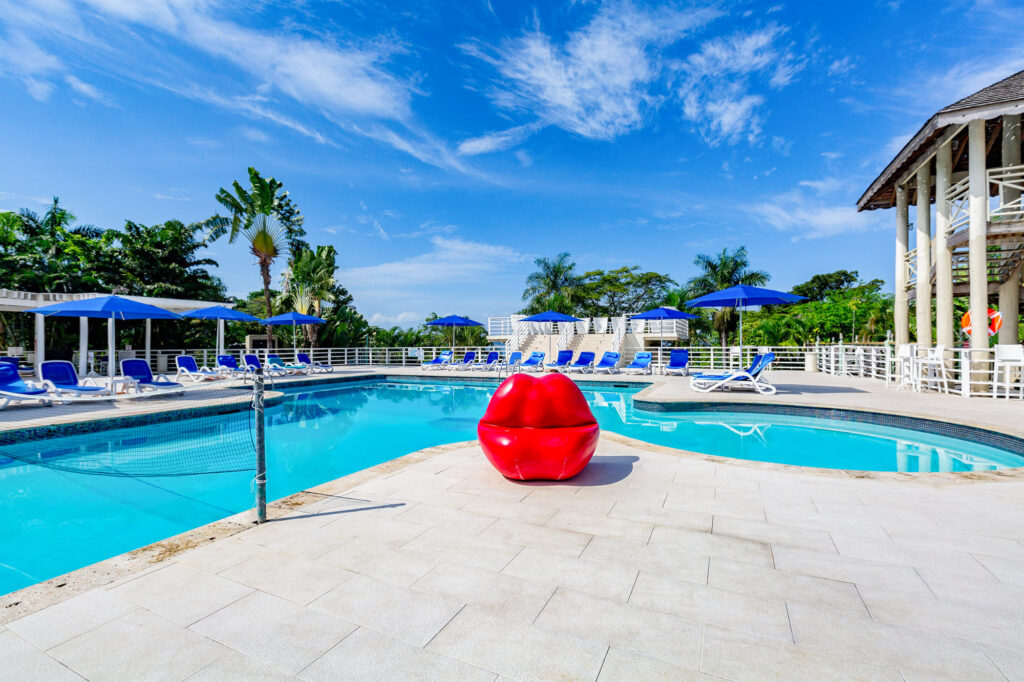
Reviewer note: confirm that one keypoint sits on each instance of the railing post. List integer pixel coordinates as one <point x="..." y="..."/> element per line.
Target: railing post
<point x="261" y="451"/>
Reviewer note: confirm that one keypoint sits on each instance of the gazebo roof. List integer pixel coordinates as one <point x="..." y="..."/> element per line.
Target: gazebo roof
<point x="1003" y="97"/>
<point x="20" y="301"/>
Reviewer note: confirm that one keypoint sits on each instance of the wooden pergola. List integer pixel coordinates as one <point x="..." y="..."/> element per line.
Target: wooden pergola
<point x="965" y="161"/>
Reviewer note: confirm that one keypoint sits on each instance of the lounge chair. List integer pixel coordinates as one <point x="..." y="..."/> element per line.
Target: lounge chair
<point x="13" y="387"/>
<point x="678" y="362"/>
<point x="60" y="377"/>
<point x="252" y="362"/>
<point x="276" y="361"/>
<point x="641" y="363"/>
<point x="317" y="367"/>
<point x="142" y="377"/>
<point x="10" y="359"/>
<point x="514" y="358"/>
<point x="229" y="366"/>
<point x="753" y="377"/>
<point x="490" y="363"/>
<point x="609" y="362"/>
<point x="536" y="359"/>
<point x="467" y="361"/>
<point x="443" y="358"/>
<point x="188" y="368"/>
<point x="563" y="359"/>
<point x="584" y="362"/>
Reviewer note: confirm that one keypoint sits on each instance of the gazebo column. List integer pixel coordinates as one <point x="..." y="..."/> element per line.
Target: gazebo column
<point x="1009" y="291"/>
<point x="149" y="340"/>
<point x="83" y="345"/>
<point x="943" y="254"/>
<point x="901" y="307"/>
<point x="40" y="340"/>
<point x="977" y="191"/>
<point x="924" y="261"/>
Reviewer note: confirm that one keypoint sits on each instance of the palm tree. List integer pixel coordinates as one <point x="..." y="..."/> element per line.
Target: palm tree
<point x="553" y="286"/>
<point x="719" y="272"/>
<point x="308" y="283"/>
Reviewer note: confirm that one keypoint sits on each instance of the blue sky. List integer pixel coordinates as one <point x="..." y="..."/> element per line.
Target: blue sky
<point x="442" y="146"/>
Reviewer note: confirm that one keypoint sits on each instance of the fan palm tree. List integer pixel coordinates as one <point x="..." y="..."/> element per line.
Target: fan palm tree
<point x="721" y="271"/>
<point x="308" y="283"/>
<point x="555" y="285"/>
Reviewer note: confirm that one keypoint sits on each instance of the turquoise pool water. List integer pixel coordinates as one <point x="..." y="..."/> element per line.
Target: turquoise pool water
<point x="54" y="521"/>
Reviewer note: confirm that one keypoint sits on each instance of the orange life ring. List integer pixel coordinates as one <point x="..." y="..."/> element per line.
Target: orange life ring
<point x="995" y="322"/>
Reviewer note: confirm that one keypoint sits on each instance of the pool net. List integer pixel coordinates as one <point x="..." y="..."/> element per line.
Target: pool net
<point x="204" y="428"/>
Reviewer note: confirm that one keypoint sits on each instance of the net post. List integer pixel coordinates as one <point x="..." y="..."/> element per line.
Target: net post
<point x="261" y="451"/>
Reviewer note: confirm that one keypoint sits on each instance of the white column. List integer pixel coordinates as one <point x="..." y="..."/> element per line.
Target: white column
<point x="1009" y="291"/>
<point x="111" y="349"/>
<point x="977" y="262"/>
<point x="924" y="257"/>
<point x="40" y="341"/>
<point x="901" y="311"/>
<point x="943" y="254"/>
<point x="83" y="346"/>
<point x="149" y="340"/>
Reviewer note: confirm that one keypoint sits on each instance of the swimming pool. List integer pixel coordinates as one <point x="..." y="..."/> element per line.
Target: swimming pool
<point x="54" y="521"/>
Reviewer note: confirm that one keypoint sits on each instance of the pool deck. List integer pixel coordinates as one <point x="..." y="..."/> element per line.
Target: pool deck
<point x="653" y="564"/>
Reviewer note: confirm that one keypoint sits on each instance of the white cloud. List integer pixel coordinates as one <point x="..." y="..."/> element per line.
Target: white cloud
<point x="254" y="134"/>
<point x="497" y="141"/>
<point x="21" y="58"/>
<point x="827" y="211"/>
<point x="524" y="158"/>
<point x="367" y="218"/>
<point x="406" y="319"/>
<point x="87" y="90"/>
<point x="450" y="260"/>
<point x="717" y="83"/>
<point x="598" y="81"/>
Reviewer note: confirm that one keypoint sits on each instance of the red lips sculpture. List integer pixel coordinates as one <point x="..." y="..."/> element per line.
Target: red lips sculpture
<point x="538" y="428"/>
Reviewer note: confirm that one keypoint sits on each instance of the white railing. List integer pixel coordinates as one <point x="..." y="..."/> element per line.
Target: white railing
<point x="504" y="325"/>
<point x="1009" y="180"/>
<point x="959" y="206"/>
<point x="519" y="333"/>
<point x="910" y="263"/>
<point x="618" y="325"/>
<point x="568" y="331"/>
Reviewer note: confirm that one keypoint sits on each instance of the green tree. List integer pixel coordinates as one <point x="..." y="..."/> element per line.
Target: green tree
<point x="555" y="285"/>
<point x="309" y="284"/>
<point x="820" y="286"/>
<point x="622" y="291"/>
<point x="721" y="271"/>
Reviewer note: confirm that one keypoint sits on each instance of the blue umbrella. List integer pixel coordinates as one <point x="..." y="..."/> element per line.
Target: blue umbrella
<point x="293" y="319"/>
<point x="664" y="313"/>
<point x="110" y="308"/>
<point x="220" y="313"/>
<point x="550" y="316"/>
<point x="454" y="321"/>
<point x="741" y="296"/>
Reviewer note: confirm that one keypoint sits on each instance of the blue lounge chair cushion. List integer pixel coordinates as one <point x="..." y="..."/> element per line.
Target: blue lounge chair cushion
<point x="640" y="361"/>
<point x="679" y="358"/>
<point x="12" y="383"/>
<point x="139" y="370"/>
<point x="585" y="359"/>
<point x="609" y="359"/>
<point x="563" y="358"/>
<point x="63" y="376"/>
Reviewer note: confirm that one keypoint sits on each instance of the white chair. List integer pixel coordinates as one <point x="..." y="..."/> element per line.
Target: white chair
<point x="931" y="369"/>
<point x="1009" y="365"/>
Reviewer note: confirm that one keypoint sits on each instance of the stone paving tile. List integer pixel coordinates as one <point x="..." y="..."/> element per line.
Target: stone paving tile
<point x="434" y="516"/>
<point x="474" y="551"/>
<point x="743" y="508"/>
<point x="773" y="533"/>
<point x="761" y="616"/>
<point x="138" y="646"/>
<point x="987" y="594"/>
<point x="602" y="526"/>
<point x="66" y="620"/>
<point x="1001" y="627"/>
<point x="214" y="557"/>
<point x="737" y="655"/>
<point x="287" y="576"/>
<point x="607" y="580"/>
<point x="516" y="649"/>
<point x="568" y="542"/>
<point x="736" y="549"/>
<point x="954" y="561"/>
<point x="625" y="664"/>
<point x="648" y="632"/>
<point x="181" y="593"/>
<point x="274" y="631"/>
<point x="669" y="562"/>
<point x="922" y="654"/>
<point x="1009" y="661"/>
<point x="382" y="561"/>
<point x="20" y="660"/>
<point x="506" y="594"/>
<point x="536" y="514"/>
<point x="771" y="583"/>
<point x="849" y="569"/>
<point x="414" y="616"/>
<point x="369" y="655"/>
<point x="1006" y="570"/>
<point x="236" y="667"/>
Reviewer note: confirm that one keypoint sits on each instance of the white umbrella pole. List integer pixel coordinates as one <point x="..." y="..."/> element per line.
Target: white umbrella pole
<point x="111" y="350"/>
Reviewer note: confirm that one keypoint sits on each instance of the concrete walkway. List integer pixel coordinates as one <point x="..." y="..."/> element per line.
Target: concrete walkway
<point x="653" y="564"/>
